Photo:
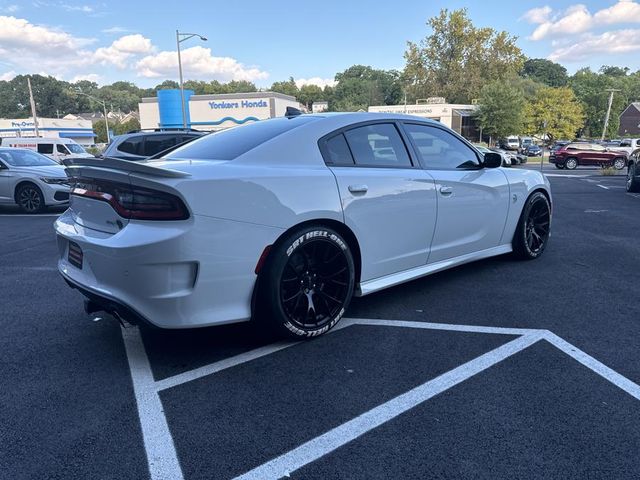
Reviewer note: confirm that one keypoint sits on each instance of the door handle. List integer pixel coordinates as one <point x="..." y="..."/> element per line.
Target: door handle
<point x="358" y="188"/>
<point x="446" y="191"/>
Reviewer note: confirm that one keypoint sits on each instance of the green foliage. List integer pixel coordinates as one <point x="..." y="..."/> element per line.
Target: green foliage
<point x="500" y="109"/>
<point x="457" y="59"/>
<point x="287" y="87"/>
<point x="554" y="111"/>
<point x="360" y="86"/>
<point x="545" y="71"/>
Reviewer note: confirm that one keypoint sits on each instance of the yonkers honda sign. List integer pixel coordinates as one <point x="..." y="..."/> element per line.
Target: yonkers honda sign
<point x="239" y="104"/>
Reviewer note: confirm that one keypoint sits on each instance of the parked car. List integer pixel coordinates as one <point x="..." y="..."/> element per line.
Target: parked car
<point x="578" y="153"/>
<point x="533" y="150"/>
<point x="286" y="219"/>
<point x="55" y="148"/>
<point x="633" y="172"/>
<point x="508" y="158"/>
<point x="524" y="143"/>
<point x="143" y="144"/>
<point x="627" y="145"/>
<point x="31" y="181"/>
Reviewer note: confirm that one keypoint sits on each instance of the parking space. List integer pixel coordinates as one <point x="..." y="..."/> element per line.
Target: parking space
<point x="497" y="369"/>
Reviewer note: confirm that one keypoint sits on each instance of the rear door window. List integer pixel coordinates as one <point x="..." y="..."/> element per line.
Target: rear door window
<point x="132" y="145"/>
<point x="378" y="145"/>
<point x="157" y="143"/>
<point x="45" y="148"/>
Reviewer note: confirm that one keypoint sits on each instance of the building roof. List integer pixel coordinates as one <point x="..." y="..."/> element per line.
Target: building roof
<point x="230" y="96"/>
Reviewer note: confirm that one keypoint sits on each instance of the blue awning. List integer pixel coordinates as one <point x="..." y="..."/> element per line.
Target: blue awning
<point x="76" y="134"/>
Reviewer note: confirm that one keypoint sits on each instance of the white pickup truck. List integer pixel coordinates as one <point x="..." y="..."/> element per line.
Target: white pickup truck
<point x="628" y="145"/>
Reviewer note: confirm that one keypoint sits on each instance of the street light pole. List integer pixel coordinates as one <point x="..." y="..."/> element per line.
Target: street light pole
<point x="104" y="109"/>
<point x="606" y="118"/>
<point x="179" y="40"/>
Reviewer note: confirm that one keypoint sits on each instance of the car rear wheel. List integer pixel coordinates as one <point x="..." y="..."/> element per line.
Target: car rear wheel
<point x="29" y="198"/>
<point x="633" y="184"/>
<point x="619" y="163"/>
<point x="532" y="232"/>
<point x="307" y="283"/>
<point x="571" y="163"/>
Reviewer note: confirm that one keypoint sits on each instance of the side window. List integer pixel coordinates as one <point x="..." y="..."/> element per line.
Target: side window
<point x="440" y="149"/>
<point x="338" y="151"/>
<point x="378" y="145"/>
<point x="625" y="143"/>
<point x="45" y="148"/>
<point x="157" y="143"/>
<point x="597" y="148"/>
<point x="62" y="149"/>
<point x="132" y="145"/>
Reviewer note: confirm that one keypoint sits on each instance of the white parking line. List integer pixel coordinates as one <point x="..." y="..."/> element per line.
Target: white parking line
<point x="602" y="186"/>
<point x="320" y="446"/>
<point x="161" y="454"/>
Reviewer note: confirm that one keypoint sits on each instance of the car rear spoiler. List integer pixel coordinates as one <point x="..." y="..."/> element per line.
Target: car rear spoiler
<point x="110" y="163"/>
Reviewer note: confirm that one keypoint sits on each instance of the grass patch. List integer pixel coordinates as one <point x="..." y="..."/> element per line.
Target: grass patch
<point x="608" y="171"/>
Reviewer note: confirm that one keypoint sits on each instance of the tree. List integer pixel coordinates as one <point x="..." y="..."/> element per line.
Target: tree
<point x="500" y="110"/>
<point x="554" y="111"/>
<point x="545" y="71"/>
<point x="288" y="87"/>
<point x="309" y="94"/>
<point x="360" y="86"/>
<point x="456" y="59"/>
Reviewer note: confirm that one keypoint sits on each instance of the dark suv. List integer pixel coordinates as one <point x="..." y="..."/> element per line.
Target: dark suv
<point x="578" y="153"/>
<point x="633" y="172"/>
<point x="143" y="144"/>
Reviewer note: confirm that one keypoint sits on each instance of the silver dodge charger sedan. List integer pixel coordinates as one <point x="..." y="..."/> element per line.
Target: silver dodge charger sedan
<point x="284" y="220"/>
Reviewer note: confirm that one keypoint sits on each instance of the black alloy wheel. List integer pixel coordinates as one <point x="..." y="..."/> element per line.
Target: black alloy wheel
<point x="532" y="232"/>
<point x="29" y="198"/>
<point x="308" y="282"/>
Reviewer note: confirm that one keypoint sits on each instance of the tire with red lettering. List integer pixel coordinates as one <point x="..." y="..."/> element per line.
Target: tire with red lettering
<point x="307" y="283"/>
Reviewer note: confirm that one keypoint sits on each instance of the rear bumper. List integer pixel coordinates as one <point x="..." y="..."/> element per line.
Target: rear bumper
<point x="182" y="274"/>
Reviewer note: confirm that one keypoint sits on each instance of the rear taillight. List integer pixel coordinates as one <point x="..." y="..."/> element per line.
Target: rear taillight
<point x="131" y="201"/>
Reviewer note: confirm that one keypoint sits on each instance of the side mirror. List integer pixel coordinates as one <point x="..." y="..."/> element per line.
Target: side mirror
<point x="492" y="160"/>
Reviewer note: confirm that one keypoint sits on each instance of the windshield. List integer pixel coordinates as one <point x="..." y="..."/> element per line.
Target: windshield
<point x="25" y="158"/>
<point x="75" y="148"/>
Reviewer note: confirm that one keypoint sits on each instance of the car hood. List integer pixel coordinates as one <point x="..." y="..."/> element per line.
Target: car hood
<point x="56" y="171"/>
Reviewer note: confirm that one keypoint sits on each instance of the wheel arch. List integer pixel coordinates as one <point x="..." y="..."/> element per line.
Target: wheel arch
<point x="23" y="183"/>
<point x="336" y="225"/>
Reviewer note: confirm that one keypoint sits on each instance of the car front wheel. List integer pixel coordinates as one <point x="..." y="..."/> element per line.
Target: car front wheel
<point x="633" y="184"/>
<point x="619" y="163"/>
<point x="532" y="232"/>
<point x="307" y="283"/>
<point x="29" y="198"/>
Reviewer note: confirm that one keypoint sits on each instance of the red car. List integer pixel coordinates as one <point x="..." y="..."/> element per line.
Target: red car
<point x="578" y="153"/>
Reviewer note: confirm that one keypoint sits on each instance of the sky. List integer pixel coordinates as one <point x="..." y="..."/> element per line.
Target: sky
<point x="266" y="41"/>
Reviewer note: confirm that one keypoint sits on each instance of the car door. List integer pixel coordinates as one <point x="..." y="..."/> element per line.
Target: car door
<point x="598" y="155"/>
<point x="6" y="195"/>
<point x="473" y="201"/>
<point x="388" y="202"/>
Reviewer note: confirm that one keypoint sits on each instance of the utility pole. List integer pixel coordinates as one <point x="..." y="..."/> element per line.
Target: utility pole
<point x="606" y="118"/>
<point x="181" y="37"/>
<point x="33" y="108"/>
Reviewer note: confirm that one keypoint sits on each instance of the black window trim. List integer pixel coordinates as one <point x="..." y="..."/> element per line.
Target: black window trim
<point x="446" y="130"/>
<point x="322" y="145"/>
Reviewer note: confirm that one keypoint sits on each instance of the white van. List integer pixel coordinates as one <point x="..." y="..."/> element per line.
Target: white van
<point x="55" y="148"/>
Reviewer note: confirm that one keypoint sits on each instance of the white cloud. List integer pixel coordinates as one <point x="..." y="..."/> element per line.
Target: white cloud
<point x="122" y="49"/>
<point x="91" y="77"/>
<point x="537" y="15"/>
<point x="12" y="8"/>
<point x="115" y="29"/>
<point x="197" y="63"/>
<point x="578" y="19"/>
<point x="622" y="41"/>
<point x="6" y="76"/>
<point x="18" y="33"/>
<point x="77" y="8"/>
<point x="321" y="82"/>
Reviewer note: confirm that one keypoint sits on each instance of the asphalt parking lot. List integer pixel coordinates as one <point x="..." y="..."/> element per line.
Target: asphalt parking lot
<point x="497" y="369"/>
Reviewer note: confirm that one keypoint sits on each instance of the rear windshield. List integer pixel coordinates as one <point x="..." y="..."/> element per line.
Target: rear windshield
<point x="229" y="144"/>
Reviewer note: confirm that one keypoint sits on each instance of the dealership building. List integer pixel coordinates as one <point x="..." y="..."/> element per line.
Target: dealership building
<point x="212" y="112"/>
<point x="458" y="117"/>
<point x="79" y="130"/>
